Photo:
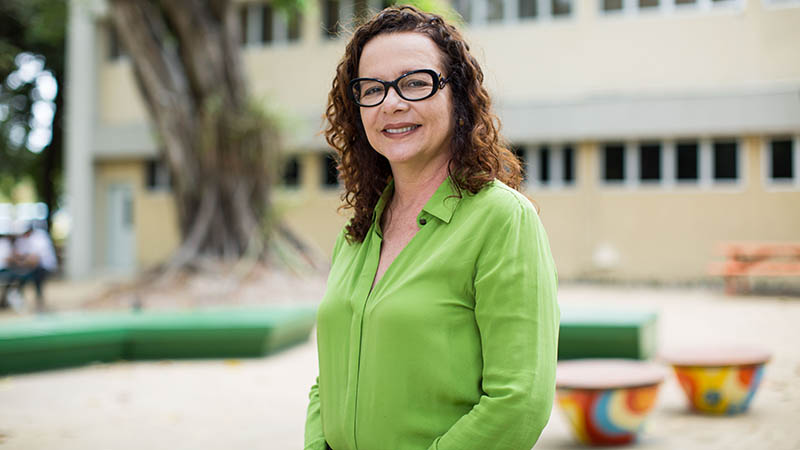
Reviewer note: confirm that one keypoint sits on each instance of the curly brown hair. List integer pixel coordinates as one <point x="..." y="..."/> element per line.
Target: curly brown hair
<point x="479" y="154"/>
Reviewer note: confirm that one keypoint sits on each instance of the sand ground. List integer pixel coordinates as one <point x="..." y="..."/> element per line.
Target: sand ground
<point x="260" y="403"/>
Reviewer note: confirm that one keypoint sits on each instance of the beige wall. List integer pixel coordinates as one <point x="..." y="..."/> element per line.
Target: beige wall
<point x="157" y="231"/>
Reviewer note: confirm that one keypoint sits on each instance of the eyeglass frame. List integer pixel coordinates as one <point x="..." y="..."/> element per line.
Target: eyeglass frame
<point x="387" y="84"/>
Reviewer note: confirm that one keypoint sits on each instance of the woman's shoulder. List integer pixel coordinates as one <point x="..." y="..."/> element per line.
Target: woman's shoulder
<point x="498" y="197"/>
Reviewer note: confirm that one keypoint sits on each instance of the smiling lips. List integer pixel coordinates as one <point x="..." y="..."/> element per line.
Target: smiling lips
<point x="397" y="130"/>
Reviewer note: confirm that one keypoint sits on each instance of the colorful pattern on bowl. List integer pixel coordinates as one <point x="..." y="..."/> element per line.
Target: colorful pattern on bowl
<point x="720" y="390"/>
<point x="609" y="416"/>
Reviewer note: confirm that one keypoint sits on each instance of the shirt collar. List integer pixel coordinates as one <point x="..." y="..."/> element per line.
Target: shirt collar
<point x="381" y="205"/>
<point x="443" y="202"/>
<point x="441" y="205"/>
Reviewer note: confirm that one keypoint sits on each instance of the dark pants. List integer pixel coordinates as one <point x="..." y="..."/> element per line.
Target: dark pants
<point x="19" y="277"/>
<point x="6" y="278"/>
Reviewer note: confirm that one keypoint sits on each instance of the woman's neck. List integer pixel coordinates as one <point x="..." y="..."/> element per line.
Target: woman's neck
<point x="413" y="189"/>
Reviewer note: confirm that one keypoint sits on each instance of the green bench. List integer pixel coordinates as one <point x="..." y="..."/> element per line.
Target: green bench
<point x="602" y="333"/>
<point x="69" y="340"/>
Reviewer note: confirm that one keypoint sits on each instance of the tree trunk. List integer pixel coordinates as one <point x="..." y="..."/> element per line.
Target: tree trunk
<point x="218" y="145"/>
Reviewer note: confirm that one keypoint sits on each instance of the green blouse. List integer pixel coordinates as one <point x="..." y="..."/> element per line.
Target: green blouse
<point x="455" y="347"/>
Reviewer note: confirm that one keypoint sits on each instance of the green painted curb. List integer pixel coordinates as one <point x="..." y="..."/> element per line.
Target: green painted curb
<point x="68" y="340"/>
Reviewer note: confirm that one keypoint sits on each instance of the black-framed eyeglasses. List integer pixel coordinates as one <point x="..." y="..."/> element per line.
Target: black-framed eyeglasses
<point x="413" y="86"/>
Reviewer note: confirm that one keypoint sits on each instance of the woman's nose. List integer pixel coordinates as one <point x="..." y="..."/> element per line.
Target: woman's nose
<point x="393" y="101"/>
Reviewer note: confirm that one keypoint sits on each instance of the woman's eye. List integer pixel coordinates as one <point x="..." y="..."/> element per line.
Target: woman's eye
<point x="418" y="83"/>
<point x="373" y="91"/>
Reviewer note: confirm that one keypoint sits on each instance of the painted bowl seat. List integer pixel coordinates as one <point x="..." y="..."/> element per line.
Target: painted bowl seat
<point x="718" y="380"/>
<point x="606" y="401"/>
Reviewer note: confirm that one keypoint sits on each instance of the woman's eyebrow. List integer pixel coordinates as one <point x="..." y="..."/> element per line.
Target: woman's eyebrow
<point x="400" y="74"/>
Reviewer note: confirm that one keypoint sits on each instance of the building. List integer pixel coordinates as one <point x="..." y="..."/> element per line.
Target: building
<point x="651" y="130"/>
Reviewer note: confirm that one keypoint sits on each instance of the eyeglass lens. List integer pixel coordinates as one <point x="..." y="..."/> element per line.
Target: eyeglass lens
<point x="414" y="86"/>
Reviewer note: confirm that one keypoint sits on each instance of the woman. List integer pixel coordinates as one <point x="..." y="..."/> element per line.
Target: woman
<point x="439" y="326"/>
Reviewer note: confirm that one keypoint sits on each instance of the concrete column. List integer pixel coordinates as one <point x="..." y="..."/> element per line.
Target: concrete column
<point x="80" y="117"/>
<point x="750" y="160"/>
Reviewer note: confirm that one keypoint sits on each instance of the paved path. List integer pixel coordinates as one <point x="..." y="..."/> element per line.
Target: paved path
<point x="260" y="404"/>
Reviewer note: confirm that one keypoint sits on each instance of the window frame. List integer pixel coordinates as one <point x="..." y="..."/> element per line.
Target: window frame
<point x="479" y="12"/>
<point x="555" y="166"/>
<point x="789" y="184"/>
<point x="737" y="158"/>
<point x="674" y="160"/>
<point x="780" y="4"/>
<point x="254" y="31"/>
<point x="286" y="162"/>
<point x="668" y="180"/>
<point x="632" y="8"/>
<point x="327" y="158"/>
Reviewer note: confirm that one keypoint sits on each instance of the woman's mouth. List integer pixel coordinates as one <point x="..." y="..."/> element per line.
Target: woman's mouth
<point x="401" y="130"/>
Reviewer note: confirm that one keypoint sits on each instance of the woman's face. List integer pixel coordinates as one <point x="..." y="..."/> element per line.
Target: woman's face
<point x="412" y="134"/>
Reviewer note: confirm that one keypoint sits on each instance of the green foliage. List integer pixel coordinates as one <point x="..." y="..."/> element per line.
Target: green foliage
<point x="35" y="28"/>
<point x="439" y="7"/>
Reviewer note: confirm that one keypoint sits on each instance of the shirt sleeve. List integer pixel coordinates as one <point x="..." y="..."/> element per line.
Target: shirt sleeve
<point x="314" y="439"/>
<point x="517" y="314"/>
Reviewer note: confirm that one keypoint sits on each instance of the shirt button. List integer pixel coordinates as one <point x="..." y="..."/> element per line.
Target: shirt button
<point x="422" y="221"/>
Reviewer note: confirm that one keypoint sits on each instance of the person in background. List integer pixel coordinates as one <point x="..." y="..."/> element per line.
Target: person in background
<point x="33" y="259"/>
<point x="6" y="251"/>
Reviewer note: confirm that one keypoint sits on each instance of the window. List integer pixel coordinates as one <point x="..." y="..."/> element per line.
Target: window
<point x="330" y="176"/>
<point x="157" y="176"/>
<point x="522" y="156"/>
<point x="614" y="162"/>
<point x="262" y="24"/>
<point x="115" y="50"/>
<point x="544" y="165"/>
<point x="330" y="17"/>
<point x="561" y="7"/>
<point x="266" y="23"/>
<point x="360" y="10"/>
<point x="725" y="160"/>
<point x="293" y="30"/>
<point x="495" y="10"/>
<point x="781" y="3"/>
<point x="781" y="159"/>
<point x="615" y="7"/>
<point x="697" y="162"/>
<point x="548" y="165"/>
<point x="463" y="8"/>
<point x="569" y="164"/>
<point x="650" y="162"/>
<point x="686" y="154"/>
<point x="291" y="172"/>
<point x="243" y="24"/>
<point x="528" y="8"/>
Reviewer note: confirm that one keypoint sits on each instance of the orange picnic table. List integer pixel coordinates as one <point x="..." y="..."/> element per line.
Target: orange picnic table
<point x="755" y="259"/>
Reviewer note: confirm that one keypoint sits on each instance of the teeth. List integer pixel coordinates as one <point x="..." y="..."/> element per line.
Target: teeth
<point x="400" y="130"/>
